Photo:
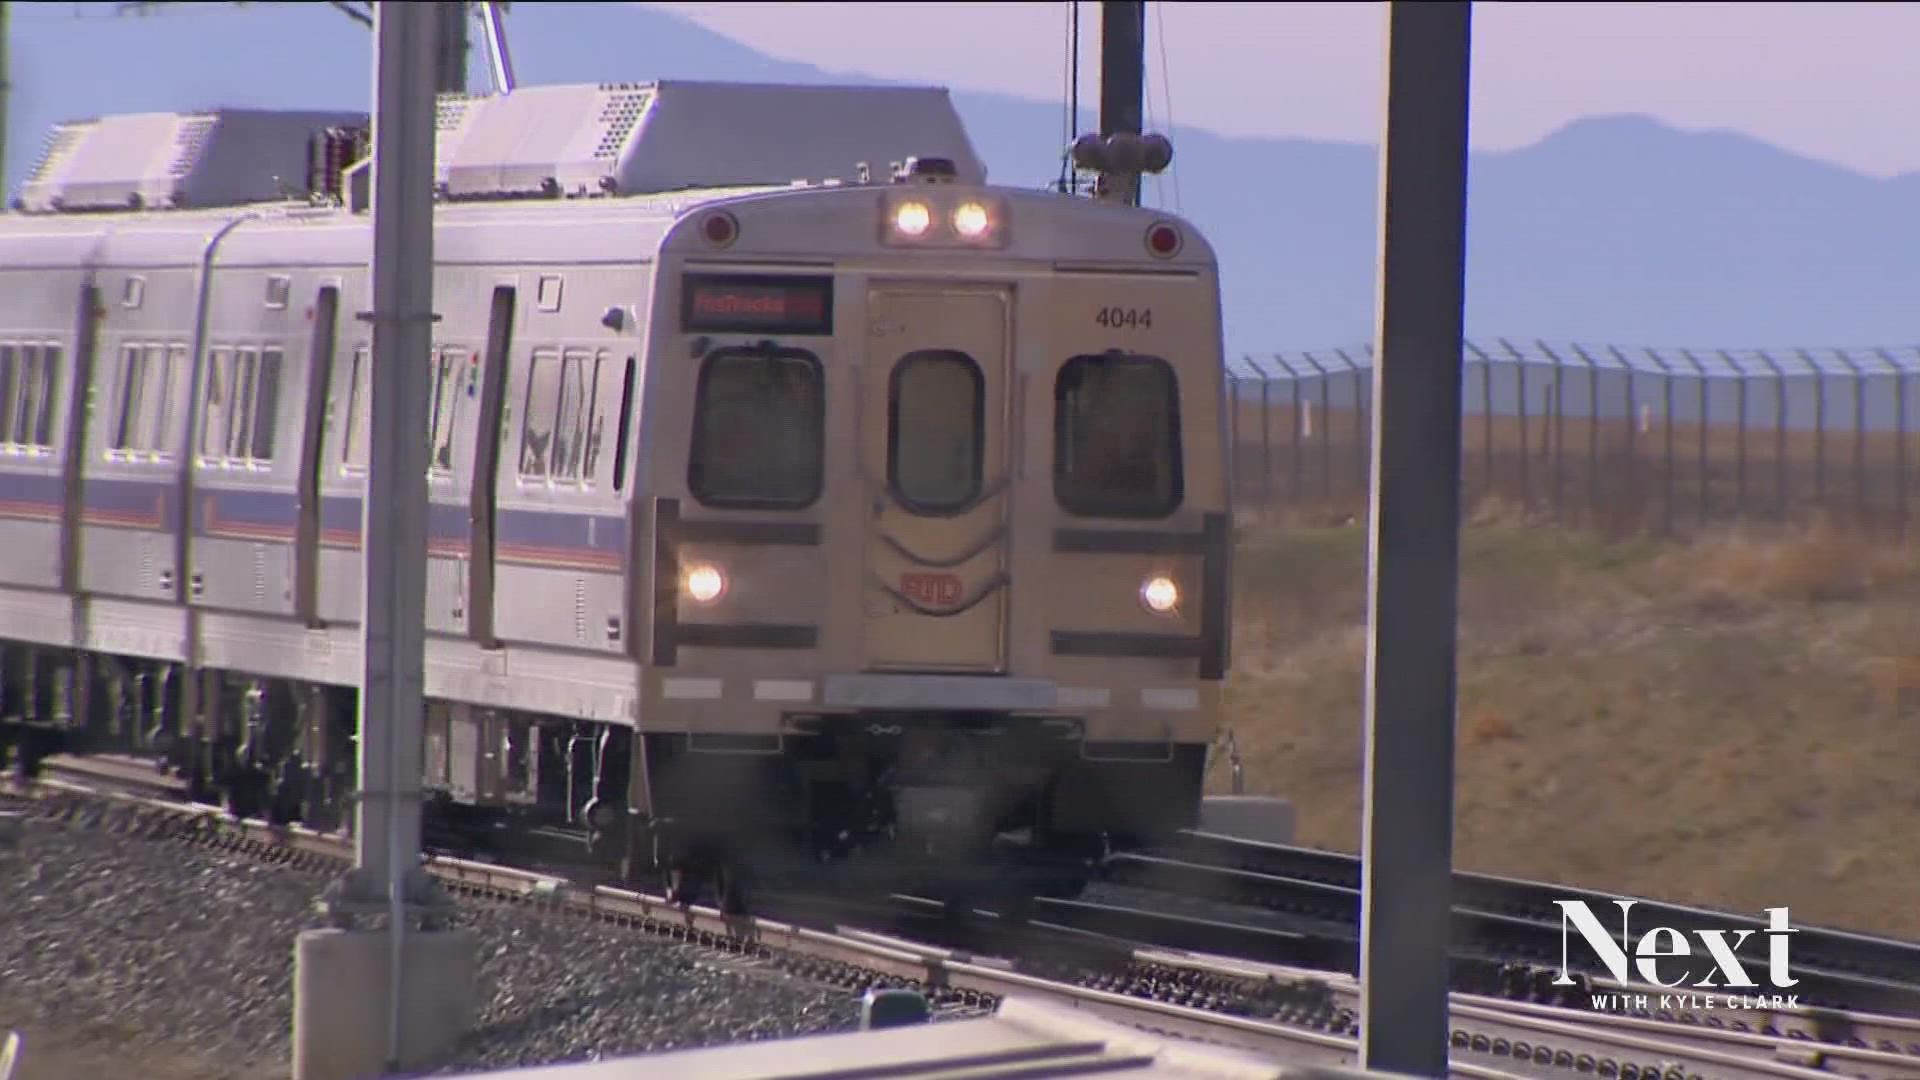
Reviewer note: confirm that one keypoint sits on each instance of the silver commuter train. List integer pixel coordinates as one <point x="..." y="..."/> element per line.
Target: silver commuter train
<point x="887" y="512"/>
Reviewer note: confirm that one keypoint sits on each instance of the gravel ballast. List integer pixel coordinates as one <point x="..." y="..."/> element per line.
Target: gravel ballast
<point x="162" y="948"/>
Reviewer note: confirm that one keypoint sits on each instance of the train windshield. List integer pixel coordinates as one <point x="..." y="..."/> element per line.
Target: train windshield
<point x="1117" y="430"/>
<point x="758" y="429"/>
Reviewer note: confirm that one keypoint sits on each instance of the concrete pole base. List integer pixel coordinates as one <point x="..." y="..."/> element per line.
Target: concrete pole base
<point x="341" y="983"/>
<point x="1248" y="817"/>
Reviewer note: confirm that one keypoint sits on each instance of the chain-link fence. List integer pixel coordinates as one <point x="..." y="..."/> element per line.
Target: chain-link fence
<point x="1608" y="436"/>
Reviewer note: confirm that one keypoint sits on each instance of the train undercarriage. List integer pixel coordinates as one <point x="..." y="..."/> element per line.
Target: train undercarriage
<point x="949" y="803"/>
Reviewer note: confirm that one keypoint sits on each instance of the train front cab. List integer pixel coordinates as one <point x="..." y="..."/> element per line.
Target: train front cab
<point x="948" y="557"/>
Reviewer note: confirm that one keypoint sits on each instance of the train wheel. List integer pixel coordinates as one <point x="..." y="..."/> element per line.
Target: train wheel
<point x="736" y="888"/>
<point x="200" y="786"/>
<point x="247" y="792"/>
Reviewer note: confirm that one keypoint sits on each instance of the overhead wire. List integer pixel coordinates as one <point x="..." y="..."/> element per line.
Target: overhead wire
<point x="1166" y="91"/>
<point x="1067" y="73"/>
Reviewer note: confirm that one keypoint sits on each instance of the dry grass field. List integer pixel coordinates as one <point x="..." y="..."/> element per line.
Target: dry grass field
<point x="1714" y="720"/>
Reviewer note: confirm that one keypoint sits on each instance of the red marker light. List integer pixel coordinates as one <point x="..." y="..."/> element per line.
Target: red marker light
<point x="1163" y="240"/>
<point x="719" y="229"/>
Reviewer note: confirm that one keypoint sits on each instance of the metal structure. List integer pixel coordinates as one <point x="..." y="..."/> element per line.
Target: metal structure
<point x="1612" y="436"/>
<point x="6" y="88"/>
<point x="1123" y="47"/>
<point x="394" y="525"/>
<point x="499" y="60"/>
<point x="1414" y="557"/>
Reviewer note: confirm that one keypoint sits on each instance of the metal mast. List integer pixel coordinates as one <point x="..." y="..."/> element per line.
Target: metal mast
<point x="1414" y="553"/>
<point x="450" y="55"/>
<point x="5" y="86"/>
<point x="1123" y="65"/>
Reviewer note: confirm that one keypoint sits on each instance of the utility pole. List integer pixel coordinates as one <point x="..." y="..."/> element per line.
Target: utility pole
<point x="378" y="1001"/>
<point x="1123" y="65"/>
<point x="5" y="86"/>
<point x="1406" y="882"/>
<point x="450" y="59"/>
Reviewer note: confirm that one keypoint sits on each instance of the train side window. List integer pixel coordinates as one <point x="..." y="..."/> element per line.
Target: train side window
<point x="1117" y="437"/>
<point x="240" y="403"/>
<point x="934" y="426"/>
<point x="7" y="372"/>
<point x="595" y="423"/>
<point x="133" y="378"/>
<point x="213" y="418"/>
<point x="449" y="373"/>
<point x="759" y="419"/>
<point x="26" y="388"/>
<point x="48" y="381"/>
<point x="563" y="464"/>
<point x="29" y="403"/>
<point x="575" y="445"/>
<point x="542" y="402"/>
<point x="146" y="376"/>
<point x="266" y="406"/>
<point x="353" y="440"/>
<point x="176" y="363"/>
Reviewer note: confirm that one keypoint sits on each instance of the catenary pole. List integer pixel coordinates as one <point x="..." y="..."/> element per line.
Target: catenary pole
<point x="387" y="832"/>
<point x="1123" y="65"/>
<point x="1414" y="553"/>
<point x="450" y="49"/>
<point x="5" y="96"/>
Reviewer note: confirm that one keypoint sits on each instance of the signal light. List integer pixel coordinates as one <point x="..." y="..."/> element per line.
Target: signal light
<point x="720" y="229"/>
<point x="1163" y="240"/>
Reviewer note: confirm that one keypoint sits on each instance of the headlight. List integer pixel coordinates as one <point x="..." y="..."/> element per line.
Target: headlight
<point x="971" y="220"/>
<point x="912" y="218"/>
<point x="1160" y="595"/>
<point x="705" y="583"/>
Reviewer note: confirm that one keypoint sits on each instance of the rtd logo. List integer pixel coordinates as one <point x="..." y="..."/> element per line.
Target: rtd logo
<point x="938" y="590"/>
<point x="1664" y="943"/>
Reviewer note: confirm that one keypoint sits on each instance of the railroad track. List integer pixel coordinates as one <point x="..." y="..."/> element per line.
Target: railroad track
<point x="1498" y="922"/>
<point x="1291" y="1013"/>
<point x="1791" y="1042"/>
<point x="145" y="801"/>
<point x="1838" y="951"/>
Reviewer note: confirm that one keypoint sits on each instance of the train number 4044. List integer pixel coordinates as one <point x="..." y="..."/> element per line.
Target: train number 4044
<point x="1125" y="318"/>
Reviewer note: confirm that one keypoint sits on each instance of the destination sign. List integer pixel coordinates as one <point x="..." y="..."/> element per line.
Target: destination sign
<point x="738" y="303"/>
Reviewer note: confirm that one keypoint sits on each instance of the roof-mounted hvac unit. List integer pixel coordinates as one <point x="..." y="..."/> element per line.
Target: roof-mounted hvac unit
<point x="222" y="157"/>
<point x="535" y="142"/>
<point x="643" y="138"/>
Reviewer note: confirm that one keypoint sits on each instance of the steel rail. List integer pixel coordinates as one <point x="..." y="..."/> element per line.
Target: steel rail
<point x="1788" y="1042"/>
<point x="1824" y="948"/>
<point x="1509" y="932"/>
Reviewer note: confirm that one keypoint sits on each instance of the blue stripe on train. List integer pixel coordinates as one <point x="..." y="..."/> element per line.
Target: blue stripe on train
<point x="107" y="500"/>
<point x="273" y="515"/>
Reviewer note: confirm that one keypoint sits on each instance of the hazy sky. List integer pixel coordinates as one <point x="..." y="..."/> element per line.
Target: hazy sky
<point x="1832" y="81"/>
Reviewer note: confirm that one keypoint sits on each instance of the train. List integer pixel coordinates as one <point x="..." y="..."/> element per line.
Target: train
<point x="792" y="488"/>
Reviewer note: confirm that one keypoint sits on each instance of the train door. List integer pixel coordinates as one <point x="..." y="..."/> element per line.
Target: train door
<point x="486" y="470"/>
<point x="306" y="553"/>
<point x="936" y="381"/>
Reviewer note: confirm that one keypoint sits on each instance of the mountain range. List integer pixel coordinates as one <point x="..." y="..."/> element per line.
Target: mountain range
<point x="1616" y="229"/>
